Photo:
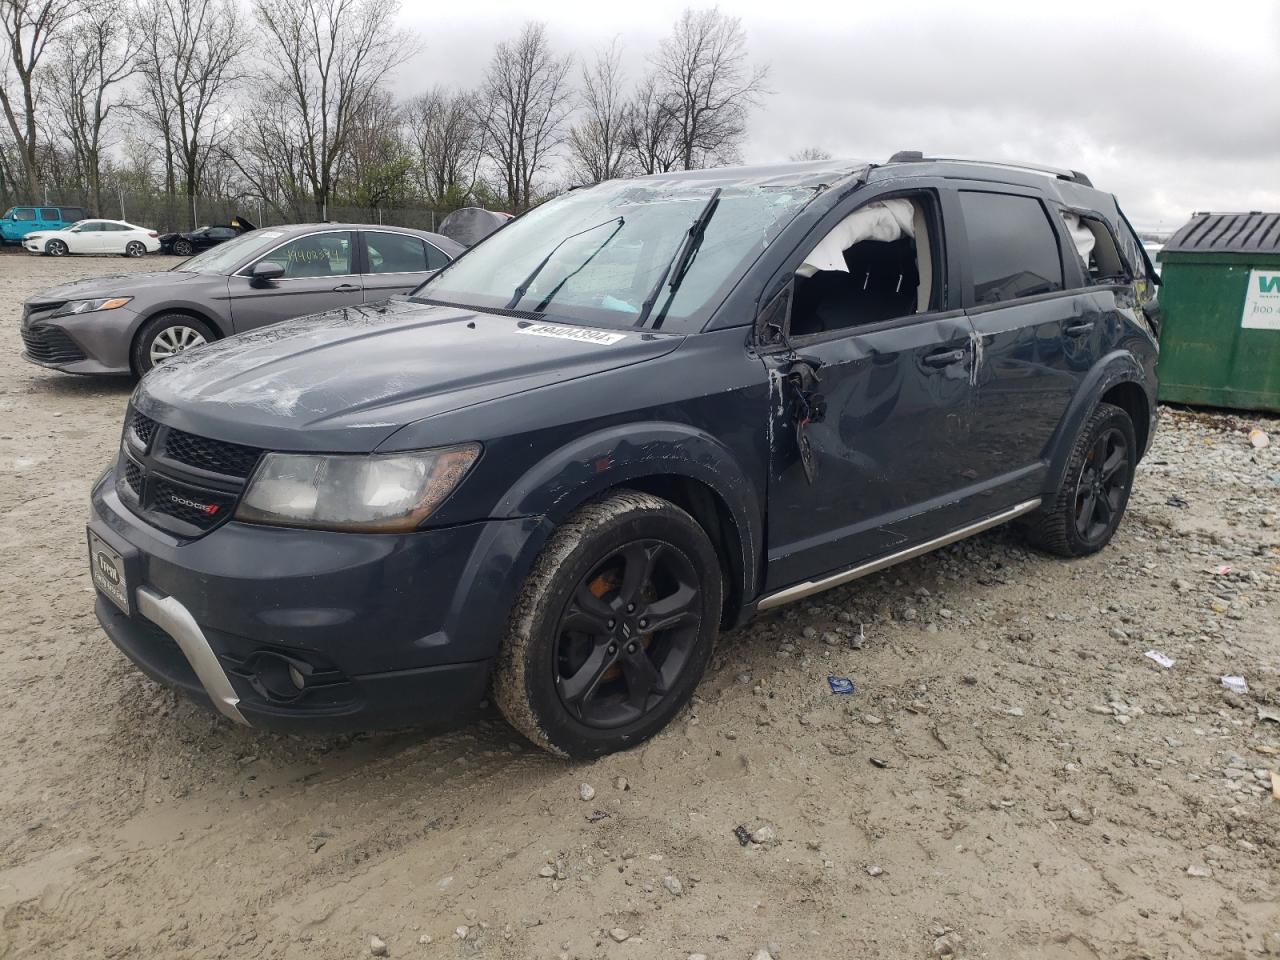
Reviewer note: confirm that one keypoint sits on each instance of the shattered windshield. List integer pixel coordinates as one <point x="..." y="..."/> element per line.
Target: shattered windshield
<point x="594" y="256"/>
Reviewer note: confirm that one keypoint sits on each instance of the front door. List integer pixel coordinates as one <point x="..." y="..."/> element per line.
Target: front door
<point x="895" y="368"/>
<point x="319" y="275"/>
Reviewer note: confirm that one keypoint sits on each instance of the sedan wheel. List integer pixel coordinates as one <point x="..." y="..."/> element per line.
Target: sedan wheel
<point x="171" y="341"/>
<point x="135" y="248"/>
<point x="183" y="248"/>
<point x="55" y="248"/>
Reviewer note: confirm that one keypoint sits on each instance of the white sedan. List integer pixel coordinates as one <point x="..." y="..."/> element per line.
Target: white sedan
<point x="94" y="236"/>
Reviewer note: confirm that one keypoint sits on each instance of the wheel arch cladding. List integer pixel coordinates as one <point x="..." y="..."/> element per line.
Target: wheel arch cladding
<point x="677" y="462"/>
<point x="1117" y="378"/>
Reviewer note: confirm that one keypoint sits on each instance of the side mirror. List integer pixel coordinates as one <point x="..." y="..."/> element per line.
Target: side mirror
<point x="266" y="271"/>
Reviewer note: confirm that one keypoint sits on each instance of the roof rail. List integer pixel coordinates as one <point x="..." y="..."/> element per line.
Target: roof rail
<point x="916" y="156"/>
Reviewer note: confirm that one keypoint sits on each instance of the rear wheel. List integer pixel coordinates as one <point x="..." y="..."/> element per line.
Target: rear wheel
<point x="135" y="248"/>
<point x="56" y="248"/>
<point x="613" y="629"/>
<point x="164" y="337"/>
<point x="1091" y="500"/>
<point x="183" y="248"/>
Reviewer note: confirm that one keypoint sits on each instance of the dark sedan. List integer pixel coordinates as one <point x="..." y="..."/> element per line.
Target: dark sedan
<point x="196" y="241"/>
<point x="130" y="323"/>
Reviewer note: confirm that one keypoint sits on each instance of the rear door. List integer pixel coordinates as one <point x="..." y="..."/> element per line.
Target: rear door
<point x="320" y="273"/>
<point x="395" y="263"/>
<point x="1038" y="336"/>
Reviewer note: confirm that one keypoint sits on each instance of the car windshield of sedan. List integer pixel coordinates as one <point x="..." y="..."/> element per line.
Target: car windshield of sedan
<point x="227" y="256"/>
<point x="594" y="256"/>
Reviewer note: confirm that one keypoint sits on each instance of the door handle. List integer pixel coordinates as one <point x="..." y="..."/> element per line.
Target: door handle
<point x="944" y="358"/>
<point x="1078" y="329"/>
<point x="346" y="288"/>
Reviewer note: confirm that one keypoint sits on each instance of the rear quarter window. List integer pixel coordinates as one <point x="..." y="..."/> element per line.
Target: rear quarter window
<point x="1013" y="250"/>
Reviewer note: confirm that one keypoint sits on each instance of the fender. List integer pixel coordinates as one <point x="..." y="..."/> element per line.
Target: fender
<point x="1119" y="366"/>
<point x="589" y="465"/>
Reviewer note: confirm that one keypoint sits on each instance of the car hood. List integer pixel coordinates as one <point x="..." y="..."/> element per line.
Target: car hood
<point x="346" y="380"/>
<point x="121" y="285"/>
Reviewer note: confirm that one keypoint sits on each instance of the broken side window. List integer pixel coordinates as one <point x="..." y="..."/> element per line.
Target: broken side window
<point x="876" y="264"/>
<point x="1097" y="248"/>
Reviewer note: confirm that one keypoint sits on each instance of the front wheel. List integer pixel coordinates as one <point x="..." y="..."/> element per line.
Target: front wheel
<point x="56" y="248"/>
<point x="135" y="248"/>
<point x="164" y="337"/>
<point x="1091" y="500"/>
<point x="613" y="629"/>
<point x="183" y="248"/>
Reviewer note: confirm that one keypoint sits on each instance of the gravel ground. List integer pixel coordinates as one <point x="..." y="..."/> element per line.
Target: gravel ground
<point x="1012" y="777"/>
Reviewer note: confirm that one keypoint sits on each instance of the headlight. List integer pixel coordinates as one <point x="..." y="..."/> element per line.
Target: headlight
<point x="366" y="493"/>
<point x="73" y="307"/>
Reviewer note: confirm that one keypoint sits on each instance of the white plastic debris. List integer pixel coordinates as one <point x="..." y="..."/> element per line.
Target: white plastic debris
<point x="1235" y="684"/>
<point x="1258" y="437"/>
<point x="1159" y="658"/>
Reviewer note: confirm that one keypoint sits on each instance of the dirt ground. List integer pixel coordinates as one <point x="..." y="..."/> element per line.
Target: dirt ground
<point x="1012" y="777"/>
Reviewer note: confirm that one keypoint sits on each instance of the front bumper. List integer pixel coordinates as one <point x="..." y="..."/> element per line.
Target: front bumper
<point x="90" y="343"/>
<point x="384" y="630"/>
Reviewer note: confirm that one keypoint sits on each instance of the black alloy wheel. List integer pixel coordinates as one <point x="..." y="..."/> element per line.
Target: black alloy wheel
<point x="1083" y="514"/>
<point x="626" y="633"/>
<point x="1102" y="486"/>
<point x="183" y="248"/>
<point x="613" y="627"/>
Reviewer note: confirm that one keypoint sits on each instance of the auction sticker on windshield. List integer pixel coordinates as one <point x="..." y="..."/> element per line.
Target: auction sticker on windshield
<point x="581" y="334"/>
<point x="107" y="569"/>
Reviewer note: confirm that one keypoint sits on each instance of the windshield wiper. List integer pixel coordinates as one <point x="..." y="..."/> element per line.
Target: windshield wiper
<point x="542" y="304"/>
<point x="521" y="290"/>
<point x="679" y="264"/>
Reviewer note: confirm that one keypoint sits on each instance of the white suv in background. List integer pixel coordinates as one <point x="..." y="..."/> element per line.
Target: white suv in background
<point x="94" y="236"/>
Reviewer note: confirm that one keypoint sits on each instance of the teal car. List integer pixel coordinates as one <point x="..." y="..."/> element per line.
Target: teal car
<point x="19" y="221"/>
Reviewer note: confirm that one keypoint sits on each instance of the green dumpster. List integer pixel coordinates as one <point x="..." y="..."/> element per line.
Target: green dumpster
<point x="1220" y="339"/>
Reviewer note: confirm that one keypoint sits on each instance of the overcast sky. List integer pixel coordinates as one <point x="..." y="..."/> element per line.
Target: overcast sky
<point x="1174" y="106"/>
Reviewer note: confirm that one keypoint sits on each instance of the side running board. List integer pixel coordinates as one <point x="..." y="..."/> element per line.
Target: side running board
<point x="807" y="589"/>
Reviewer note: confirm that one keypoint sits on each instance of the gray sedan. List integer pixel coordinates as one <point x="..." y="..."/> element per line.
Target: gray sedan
<point x="128" y="324"/>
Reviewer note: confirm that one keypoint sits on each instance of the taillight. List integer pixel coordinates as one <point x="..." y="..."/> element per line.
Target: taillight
<point x="152" y="233"/>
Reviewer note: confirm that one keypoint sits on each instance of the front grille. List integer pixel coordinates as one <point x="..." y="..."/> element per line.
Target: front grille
<point x="36" y="309"/>
<point x="133" y="479"/>
<point x="218" y="456"/>
<point x="50" y="345"/>
<point x="178" y="481"/>
<point x="202" y="509"/>
<point x="143" y="429"/>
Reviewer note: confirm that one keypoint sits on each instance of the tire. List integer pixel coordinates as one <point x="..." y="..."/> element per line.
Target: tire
<point x="183" y="248"/>
<point x="571" y="675"/>
<point x="135" y="248"/>
<point x="56" y="248"/>
<point x="1089" y="505"/>
<point x="166" y="336"/>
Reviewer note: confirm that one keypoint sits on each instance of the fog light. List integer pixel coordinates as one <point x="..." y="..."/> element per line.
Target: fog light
<point x="296" y="676"/>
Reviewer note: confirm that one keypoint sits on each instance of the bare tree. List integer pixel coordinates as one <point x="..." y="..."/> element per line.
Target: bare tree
<point x="650" y="129"/>
<point x="377" y="163"/>
<point x="333" y="55"/>
<point x="95" y="56"/>
<point x="598" y="141"/>
<point x="527" y="99"/>
<point x="810" y="153"/>
<point x="190" y="60"/>
<point x="29" y="27"/>
<point x="704" y="71"/>
<point x="444" y="130"/>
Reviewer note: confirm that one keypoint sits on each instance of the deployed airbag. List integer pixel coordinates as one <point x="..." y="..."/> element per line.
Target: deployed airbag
<point x="1081" y="235"/>
<point x="883" y="220"/>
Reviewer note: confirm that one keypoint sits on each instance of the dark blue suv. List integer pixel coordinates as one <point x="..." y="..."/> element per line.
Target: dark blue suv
<point x="624" y="422"/>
